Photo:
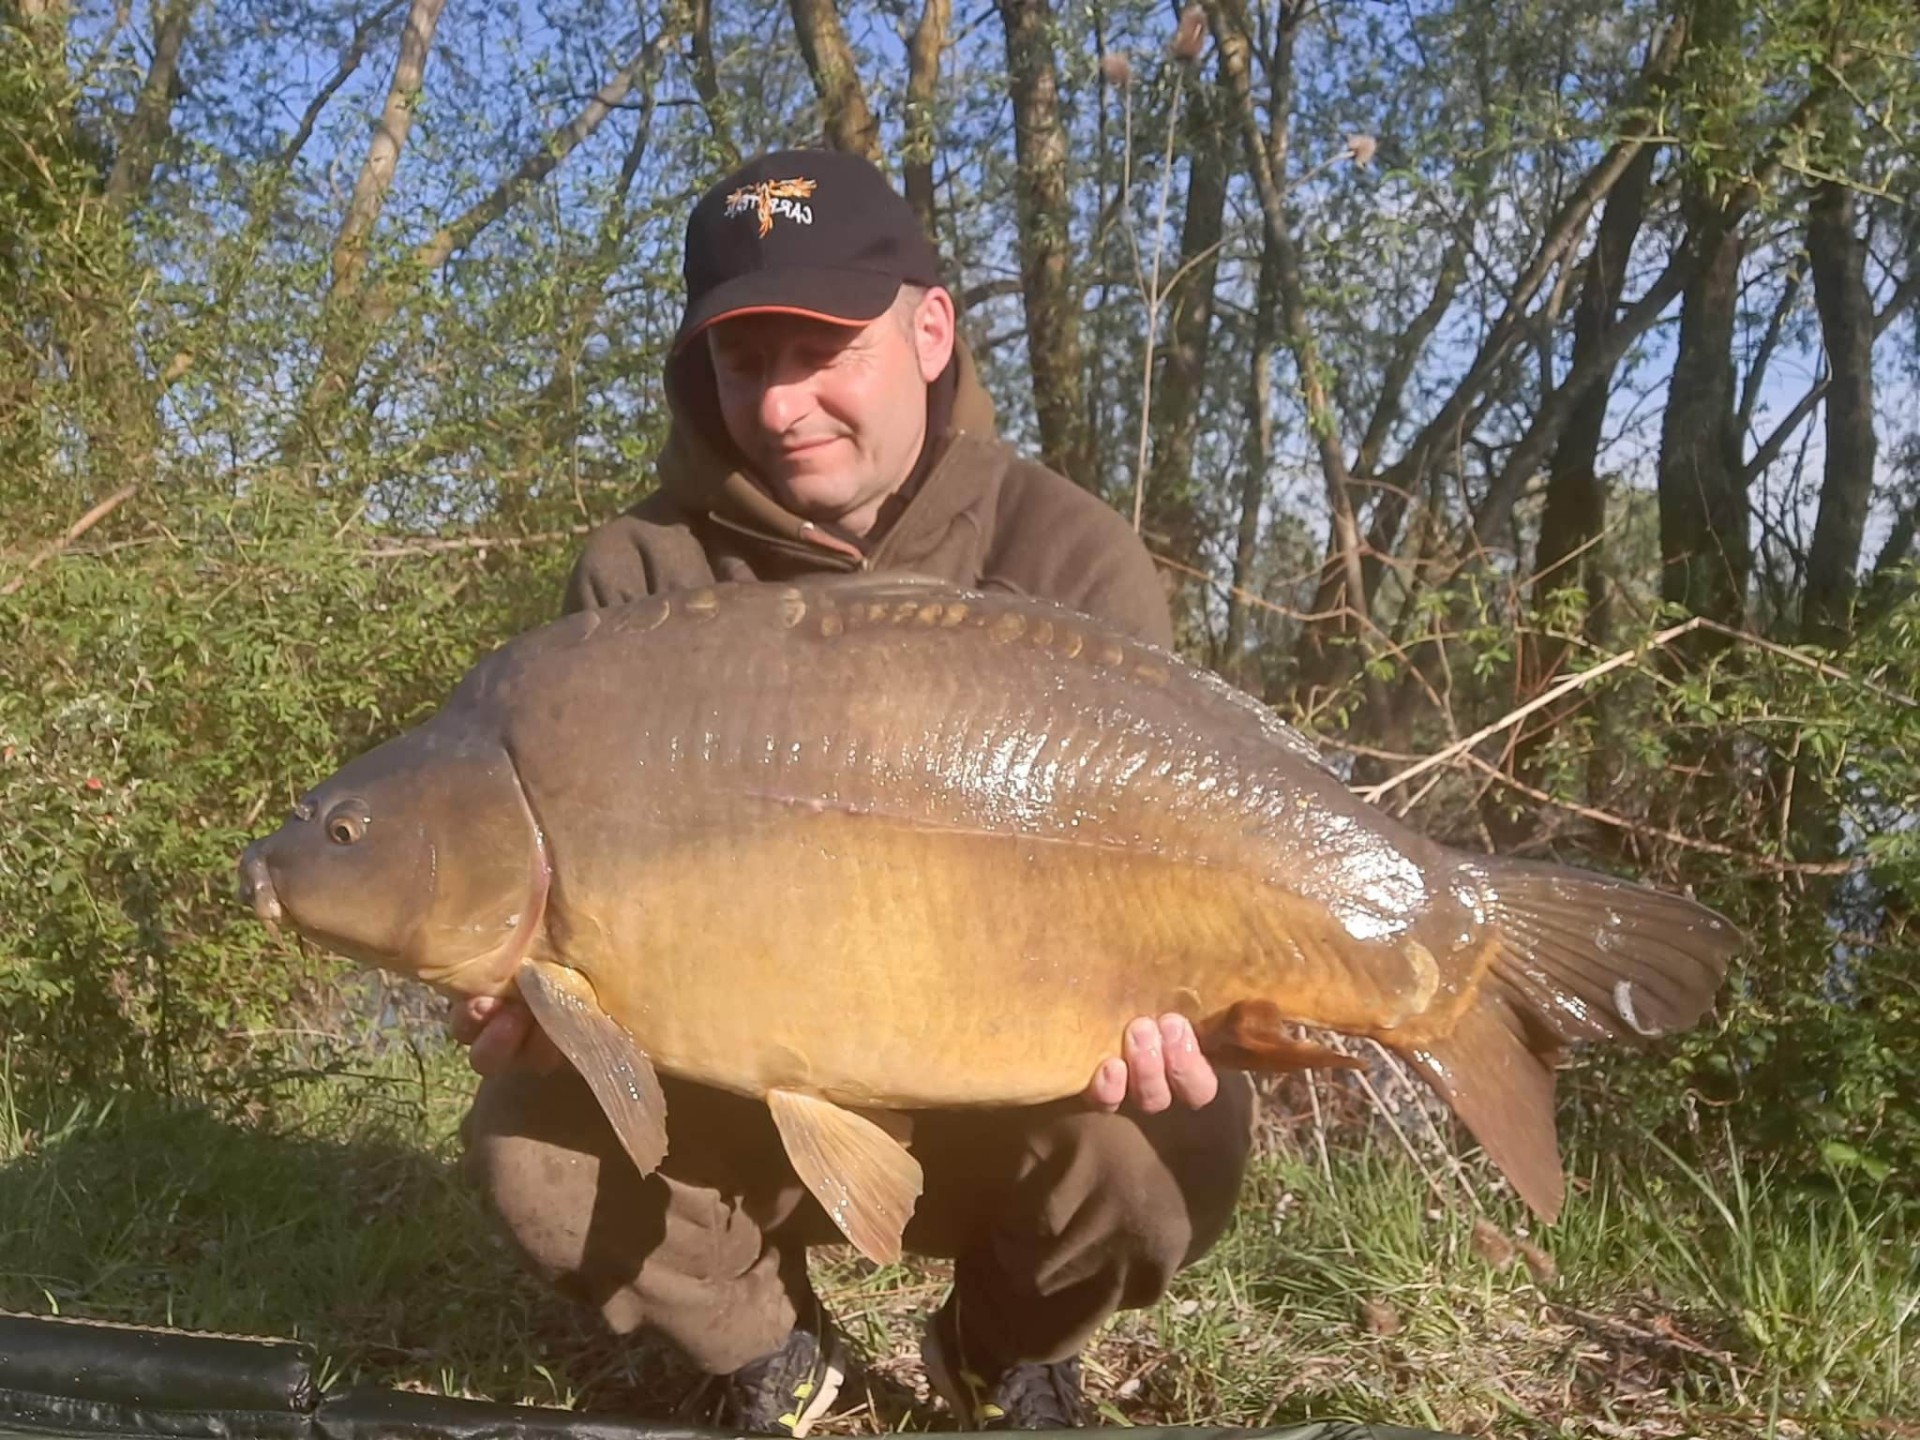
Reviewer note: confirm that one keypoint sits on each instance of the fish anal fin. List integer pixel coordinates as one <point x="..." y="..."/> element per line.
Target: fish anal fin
<point x="1502" y="1090"/>
<point x="863" y="1177"/>
<point x="1252" y="1035"/>
<point x="612" y="1063"/>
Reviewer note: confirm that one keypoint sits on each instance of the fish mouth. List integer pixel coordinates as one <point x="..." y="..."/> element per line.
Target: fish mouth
<point x="256" y="890"/>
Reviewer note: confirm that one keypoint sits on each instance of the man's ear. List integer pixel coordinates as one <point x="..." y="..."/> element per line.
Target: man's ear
<point x="933" y="331"/>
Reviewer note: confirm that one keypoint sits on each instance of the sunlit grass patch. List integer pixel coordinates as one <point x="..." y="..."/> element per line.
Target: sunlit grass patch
<point x="1674" y="1297"/>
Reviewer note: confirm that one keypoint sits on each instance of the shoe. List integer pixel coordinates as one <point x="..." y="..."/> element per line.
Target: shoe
<point x="786" y="1392"/>
<point x="984" y="1397"/>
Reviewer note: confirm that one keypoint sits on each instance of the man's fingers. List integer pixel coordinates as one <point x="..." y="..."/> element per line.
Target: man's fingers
<point x="1146" y="1067"/>
<point x="498" y="1046"/>
<point x="468" y="1016"/>
<point x="1109" y="1086"/>
<point x="1190" y="1075"/>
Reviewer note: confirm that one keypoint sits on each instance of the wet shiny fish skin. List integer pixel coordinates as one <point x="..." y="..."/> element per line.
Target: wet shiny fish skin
<point x="900" y="846"/>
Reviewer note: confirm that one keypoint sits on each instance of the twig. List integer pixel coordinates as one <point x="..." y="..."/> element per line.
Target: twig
<point x="1539" y="702"/>
<point x="1319" y="1128"/>
<point x="1393" y="1124"/>
<point x="1398" y="1069"/>
<point x="79" y="527"/>
<point x="474" y="542"/>
<point x="1660" y="832"/>
<point x="1338" y="612"/>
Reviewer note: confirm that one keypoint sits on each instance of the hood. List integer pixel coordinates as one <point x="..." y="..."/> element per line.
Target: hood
<point x="704" y="474"/>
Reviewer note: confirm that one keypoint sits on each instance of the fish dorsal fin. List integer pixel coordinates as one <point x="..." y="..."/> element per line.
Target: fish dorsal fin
<point x="1252" y="1035"/>
<point x="863" y="1177"/>
<point x="1503" y="1091"/>
<point x="615" y="1068"/>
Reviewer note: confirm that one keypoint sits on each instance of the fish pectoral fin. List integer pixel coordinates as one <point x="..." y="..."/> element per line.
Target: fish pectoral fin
<point x="861" y="1175"/>
<point x="1502" y="1089"/>
<point x="612" y="1063"/>
<point x="1252" y="1035"/>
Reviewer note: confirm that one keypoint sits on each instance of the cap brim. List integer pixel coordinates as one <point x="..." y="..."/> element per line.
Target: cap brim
<point x="839" y="297"/>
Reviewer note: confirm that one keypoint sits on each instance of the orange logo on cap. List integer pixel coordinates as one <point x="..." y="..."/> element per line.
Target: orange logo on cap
<point x="766" y="199"/>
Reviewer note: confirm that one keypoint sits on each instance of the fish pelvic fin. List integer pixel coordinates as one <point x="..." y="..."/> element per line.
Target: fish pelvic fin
<point x="1587" y="957"/>
<point x="862" y="1176"/>
<point x="612" y="1063"/>
<point x="1502" y="1090"/>
<point x="1252" y="1035"/>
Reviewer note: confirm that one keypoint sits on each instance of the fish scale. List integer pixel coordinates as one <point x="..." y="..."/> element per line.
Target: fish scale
<point x="872" y="844"/>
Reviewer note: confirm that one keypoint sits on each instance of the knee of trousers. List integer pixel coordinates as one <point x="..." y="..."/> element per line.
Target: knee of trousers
<point x="540" y="1152"/>
<point x="652" y="1251"/>
<point x="1148" y="1194"/>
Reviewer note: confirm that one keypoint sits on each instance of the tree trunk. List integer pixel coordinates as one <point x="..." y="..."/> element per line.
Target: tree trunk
<point x="1576" y="507"/>
<point x="714" y="103"/>
<point x="1576" y="498"/>
<point x="1267" y="158"/>
<point x="1838" y="258"/>
<point x="343" y="325"/>
<point x="1171" y="508"/>
<point x="1256" y="462"/>
<point x="845" y="117"/>
<point x="921" y="139"/>
<point x="383" y="154"/>
<point x="1705" y="551"/>
<point x="152" y="119"/>
<point x="1046" y="245"/>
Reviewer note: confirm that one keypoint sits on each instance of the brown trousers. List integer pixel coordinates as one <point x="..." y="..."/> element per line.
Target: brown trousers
<point x="1055" y="1216"/>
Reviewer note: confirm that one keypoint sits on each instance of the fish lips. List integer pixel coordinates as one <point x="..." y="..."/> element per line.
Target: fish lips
<point x="256" y="887"/>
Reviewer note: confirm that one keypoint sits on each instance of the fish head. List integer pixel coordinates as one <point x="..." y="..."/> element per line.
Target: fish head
<point x="420" y="857"/>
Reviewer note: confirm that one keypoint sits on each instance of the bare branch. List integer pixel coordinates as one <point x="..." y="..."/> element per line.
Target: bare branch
<point x="74" y="531"/>
<point x="560" y="143"/>
<point x="1406" y="354"/>
<point x="1267" y="160"/>
<point x="350" y="59"/>
<point x="1757" y="371"/>
<point x="1903" y="296"/>
<point x="845" y="115"/>
<point x="1440" y="757"/>
<point x="1590" y="369"/>
<point x="383" y="154"/>
<point x="1765" y="863"/>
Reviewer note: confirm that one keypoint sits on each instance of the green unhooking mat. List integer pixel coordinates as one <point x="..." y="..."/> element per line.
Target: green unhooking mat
<point x="77" y="1380"/>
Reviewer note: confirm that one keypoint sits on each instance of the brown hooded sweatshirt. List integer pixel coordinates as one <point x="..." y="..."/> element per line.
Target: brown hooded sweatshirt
<point x="973" y="512"/>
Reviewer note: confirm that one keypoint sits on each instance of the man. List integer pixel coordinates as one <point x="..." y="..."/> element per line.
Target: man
<point x="826" y="419"/>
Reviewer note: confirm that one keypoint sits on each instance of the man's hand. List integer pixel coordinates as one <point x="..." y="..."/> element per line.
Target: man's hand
<point x="500" y="1035"/>
<point x="1160" y="1063"/>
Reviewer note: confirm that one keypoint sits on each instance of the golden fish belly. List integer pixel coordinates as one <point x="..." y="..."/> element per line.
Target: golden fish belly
<point x="885" y="963"/>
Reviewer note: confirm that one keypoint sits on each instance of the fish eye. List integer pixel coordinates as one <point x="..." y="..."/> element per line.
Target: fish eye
<point x="346" y="825"/>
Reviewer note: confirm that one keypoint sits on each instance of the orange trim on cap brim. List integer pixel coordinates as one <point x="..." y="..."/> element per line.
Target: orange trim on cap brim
<point x="708" y="324"/>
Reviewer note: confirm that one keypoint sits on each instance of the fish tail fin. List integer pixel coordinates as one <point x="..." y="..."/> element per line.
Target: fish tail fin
<point x="1588" y="957"/>
<point x="1502" y="1090"/>
<point x="1580" y="957"/>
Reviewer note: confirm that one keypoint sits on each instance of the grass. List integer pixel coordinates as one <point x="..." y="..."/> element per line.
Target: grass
<point x="1670" y="1300"/>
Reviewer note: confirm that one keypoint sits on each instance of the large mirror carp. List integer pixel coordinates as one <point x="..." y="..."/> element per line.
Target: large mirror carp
<point x="875" y="845"/>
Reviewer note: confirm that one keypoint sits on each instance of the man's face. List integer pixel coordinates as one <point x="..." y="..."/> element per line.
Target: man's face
<point x="832" y="416"/>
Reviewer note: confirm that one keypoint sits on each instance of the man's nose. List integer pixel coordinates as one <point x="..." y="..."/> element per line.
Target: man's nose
<point x="786" y="395"/>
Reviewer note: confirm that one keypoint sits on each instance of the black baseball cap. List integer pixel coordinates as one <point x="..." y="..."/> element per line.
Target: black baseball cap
<point x="802" y="232"/>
